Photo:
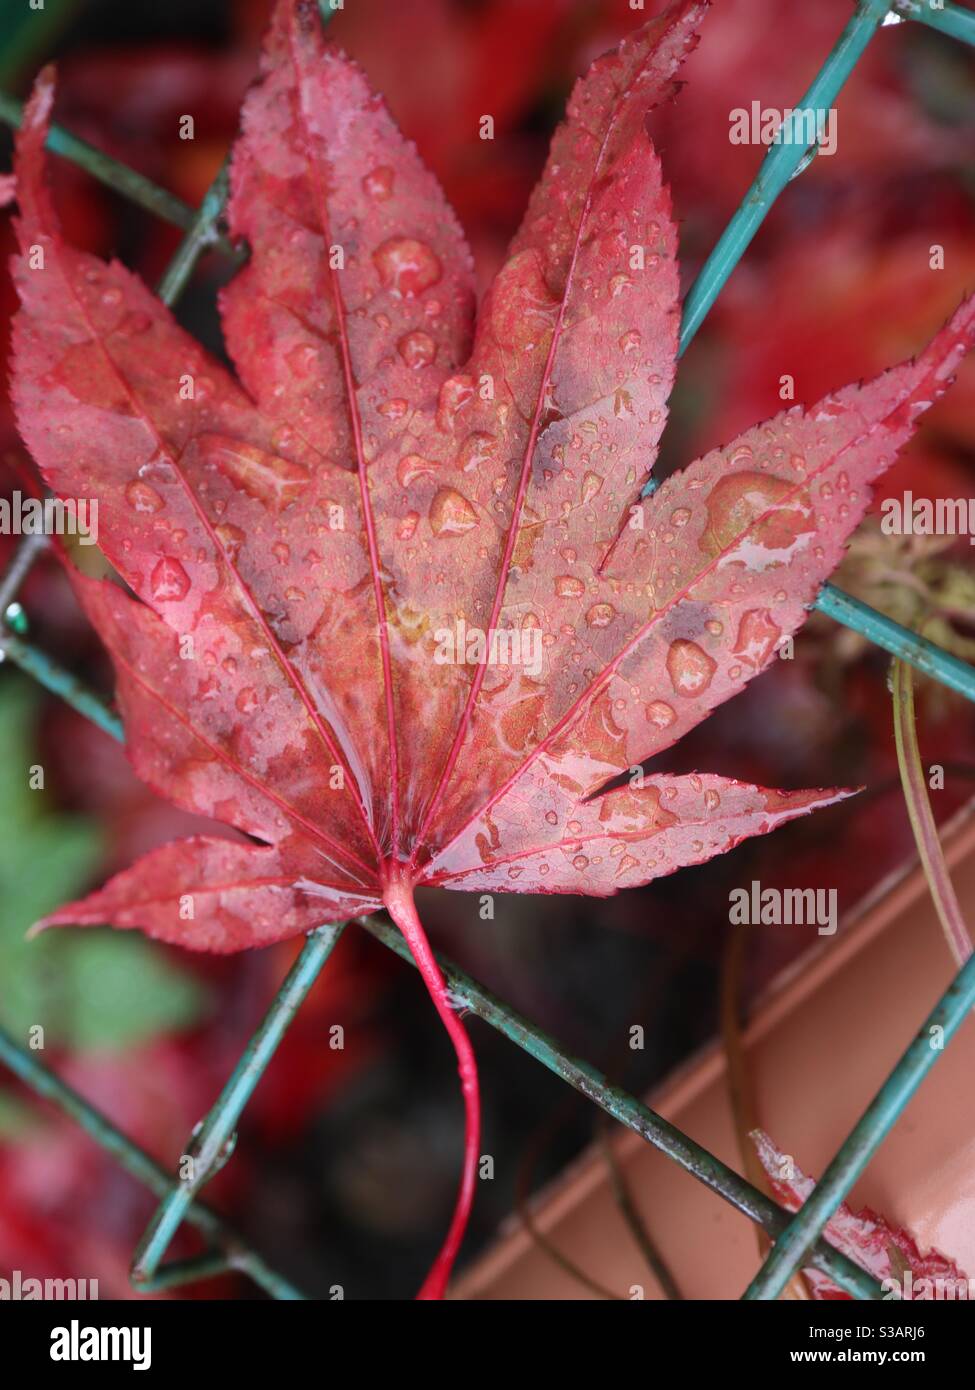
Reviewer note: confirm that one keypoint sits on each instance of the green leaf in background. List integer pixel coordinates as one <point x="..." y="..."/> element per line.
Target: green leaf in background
<point x="16" y="1116"/>
<point x="88" y="988"/>
<point x="26" y="34"/>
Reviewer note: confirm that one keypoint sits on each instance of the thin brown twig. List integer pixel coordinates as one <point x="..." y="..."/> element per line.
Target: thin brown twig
<point x="555" y="1254"/>
<point x="922" y="818"/>
<point x="631" y="1214"/>
<point x="741" y="1092"/>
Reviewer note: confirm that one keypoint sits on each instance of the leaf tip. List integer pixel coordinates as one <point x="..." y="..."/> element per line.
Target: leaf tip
<point x="37" y="111"/>
<point x="41" y="925"/>
<point x="35" y="205"/>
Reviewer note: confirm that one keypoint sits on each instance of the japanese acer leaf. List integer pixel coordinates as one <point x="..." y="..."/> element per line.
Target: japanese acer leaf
<point x="887" y="1252"/>
<point x="393" y="606"/>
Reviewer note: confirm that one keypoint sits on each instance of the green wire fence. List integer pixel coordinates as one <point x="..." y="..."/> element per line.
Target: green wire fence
<point x="798" y="1239"/>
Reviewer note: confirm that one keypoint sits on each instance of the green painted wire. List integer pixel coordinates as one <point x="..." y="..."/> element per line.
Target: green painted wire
<point x="779" y="166"/>
<point x="789" y="1251"/>
<point x="59" y="681"/>
<point x="628" y="1111"/>
<point x="25" y="1065"/>
<point x="900" y="641"/>
<point x="217" y="1129"/>
<point x="947" y="19"/>
<point x="200" y="226"/>
<point x="113" y="174"/>
<point x="200" y="235"/>
<point x="732" y="245"/>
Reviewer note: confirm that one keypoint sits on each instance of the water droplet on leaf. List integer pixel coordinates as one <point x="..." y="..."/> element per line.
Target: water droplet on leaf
<point x="417" y="349"/>
<point x="567" y="586"/>
<point x="378" y="184"/>
<point x="451" y="514"/>
<point x="601" y="615"/>
<point x="690" y="668"/>
<point x="169" y="580"/>
<point x="407" y="266"/>
<point x="143" y="498"/>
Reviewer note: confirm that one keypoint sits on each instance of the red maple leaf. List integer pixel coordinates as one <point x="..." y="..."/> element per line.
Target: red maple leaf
<point x="887" y="1252"/>
<point x="397" y="610"/>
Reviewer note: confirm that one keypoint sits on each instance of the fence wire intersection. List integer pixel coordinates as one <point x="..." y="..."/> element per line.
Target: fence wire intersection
<point x="798" y="1239"/>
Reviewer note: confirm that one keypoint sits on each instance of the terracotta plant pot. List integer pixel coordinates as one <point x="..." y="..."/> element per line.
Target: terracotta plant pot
<point x="819" y="1045"/>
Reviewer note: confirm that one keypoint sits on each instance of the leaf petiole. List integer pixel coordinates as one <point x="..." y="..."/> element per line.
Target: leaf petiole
<point x="398" y="898"/>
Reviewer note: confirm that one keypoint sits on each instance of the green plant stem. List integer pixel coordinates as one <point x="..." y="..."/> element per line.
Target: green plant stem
<point x="922" y="820"/>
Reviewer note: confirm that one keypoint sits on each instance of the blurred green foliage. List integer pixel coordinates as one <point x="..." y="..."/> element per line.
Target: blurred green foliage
<point x="90" y="988"/>
<point x="27" y="33"/>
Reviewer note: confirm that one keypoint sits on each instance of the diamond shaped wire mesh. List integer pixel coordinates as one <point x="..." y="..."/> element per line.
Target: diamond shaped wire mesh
<point x="798" y="1239"/>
